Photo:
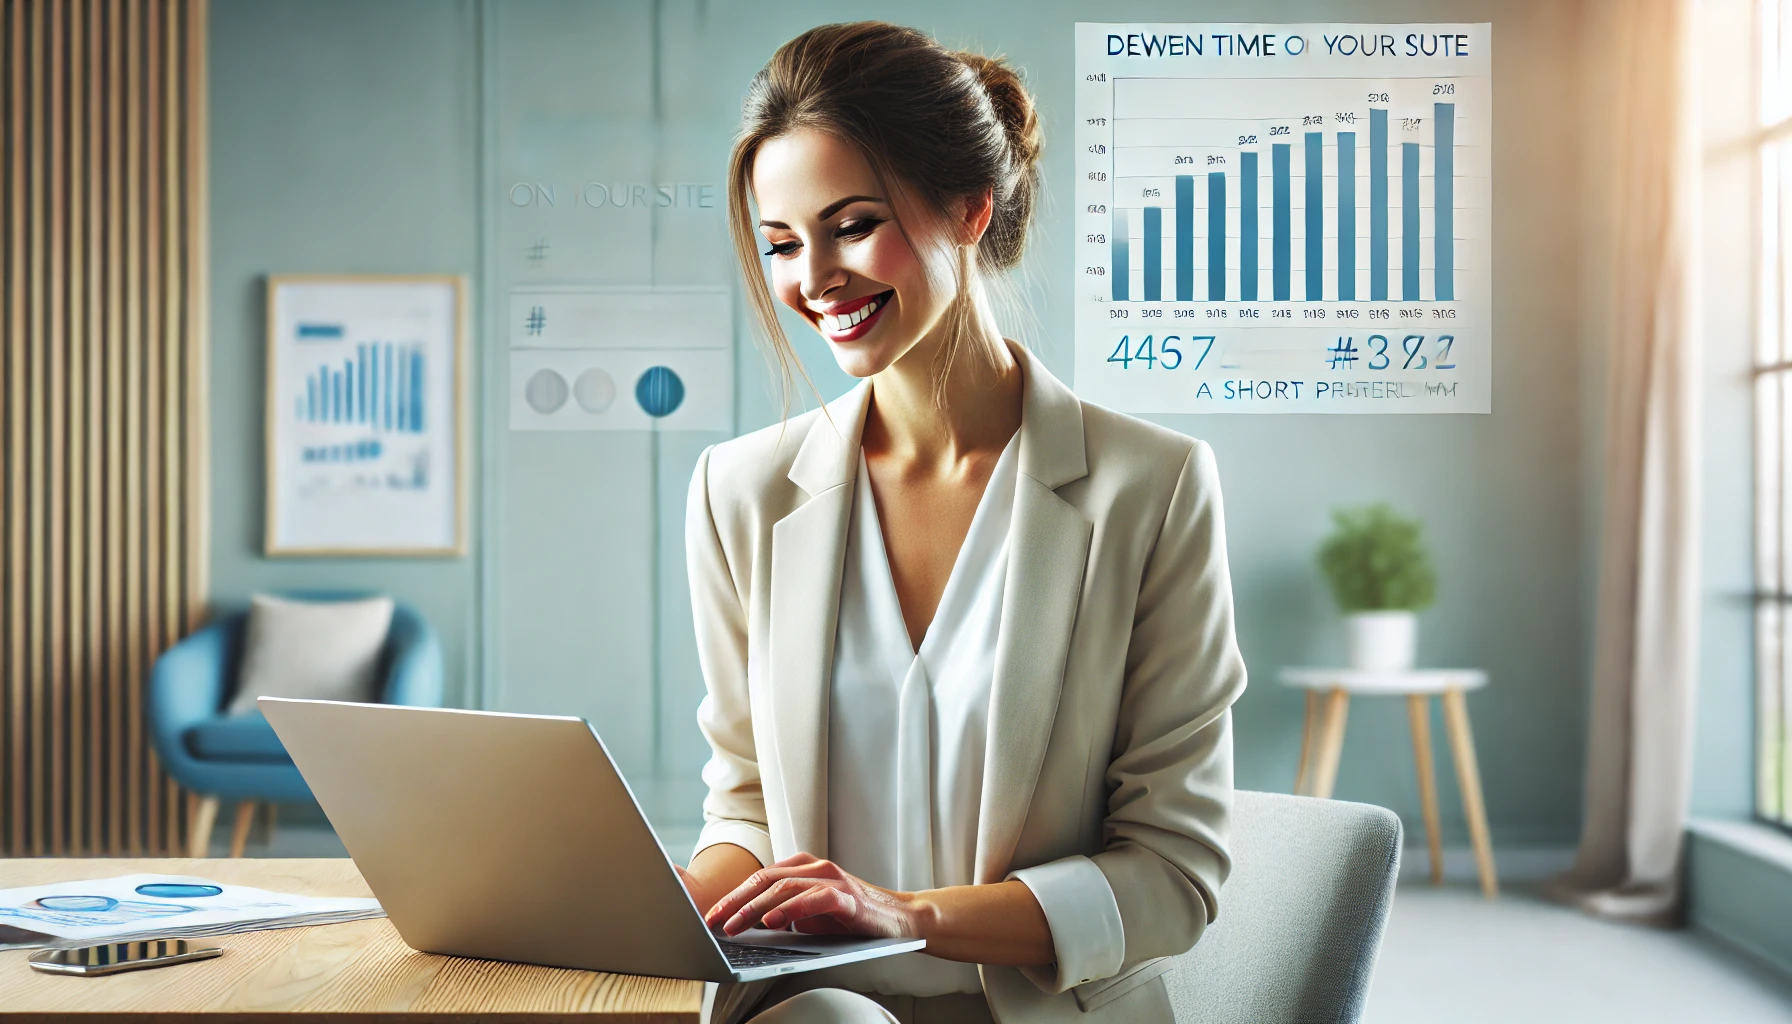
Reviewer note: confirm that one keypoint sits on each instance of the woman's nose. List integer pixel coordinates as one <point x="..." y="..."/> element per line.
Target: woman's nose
<point x="821" y="274"/>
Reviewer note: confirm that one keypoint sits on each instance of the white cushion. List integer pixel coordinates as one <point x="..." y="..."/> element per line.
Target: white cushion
<point x="322" y="650"/>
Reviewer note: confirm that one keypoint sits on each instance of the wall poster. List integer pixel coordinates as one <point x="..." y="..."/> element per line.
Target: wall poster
<point x="1284" y="218"/>
<point x="366" y="415"/>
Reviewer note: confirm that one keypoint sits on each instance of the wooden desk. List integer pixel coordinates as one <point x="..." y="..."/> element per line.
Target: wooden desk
<point x="359" y="971"/>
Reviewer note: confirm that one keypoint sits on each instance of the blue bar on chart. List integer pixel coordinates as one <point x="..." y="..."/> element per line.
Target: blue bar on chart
<point x="380" y="385"/>
<point x="1247" y="227"/>
<point x="1121" y="269"/>
<point x="1443" y="199"/>
<point x="1346" y="216"/>
<point x="1315" y="216"/>
<point x="1409" y="221"/>
<point x="403" y="413"/>
<point x="1216" y="236"/>
<point x="1154" y="253"/>
<point x="1280" y="219"/>
<point x="1185" y="238"/>
<point x="416" y="391"/>
<point x="1378" y="204"/>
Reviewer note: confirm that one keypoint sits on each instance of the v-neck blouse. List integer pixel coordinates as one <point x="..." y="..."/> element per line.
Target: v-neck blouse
<point x="907" y="728"/>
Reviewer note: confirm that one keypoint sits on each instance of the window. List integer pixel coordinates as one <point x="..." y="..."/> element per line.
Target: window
<point x="1773" y="422"/>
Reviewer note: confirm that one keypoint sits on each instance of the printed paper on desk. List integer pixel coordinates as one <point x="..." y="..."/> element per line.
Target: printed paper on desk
<point x="132" y="907"/>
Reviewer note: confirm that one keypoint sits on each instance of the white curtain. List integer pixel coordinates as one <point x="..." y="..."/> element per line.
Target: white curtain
<point x="1645" y="671"/>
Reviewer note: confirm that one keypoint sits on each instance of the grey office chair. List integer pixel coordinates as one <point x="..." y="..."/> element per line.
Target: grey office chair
<point x="1301" y="915"/>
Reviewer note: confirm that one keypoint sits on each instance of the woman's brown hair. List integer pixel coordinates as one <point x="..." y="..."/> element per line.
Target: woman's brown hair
<point x="938" y="124"/>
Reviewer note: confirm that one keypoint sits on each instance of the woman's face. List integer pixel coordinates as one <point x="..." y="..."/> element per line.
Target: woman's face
<point x="838" y="257"/>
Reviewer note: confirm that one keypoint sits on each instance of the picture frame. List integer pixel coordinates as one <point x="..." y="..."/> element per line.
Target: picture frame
<point x="366" y="408"/>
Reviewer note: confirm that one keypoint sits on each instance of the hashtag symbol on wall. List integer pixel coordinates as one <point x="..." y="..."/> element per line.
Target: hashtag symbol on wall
<point x="1343" y="353"/>
<point x="539" y="251"/>
<point x="538" y="318"/>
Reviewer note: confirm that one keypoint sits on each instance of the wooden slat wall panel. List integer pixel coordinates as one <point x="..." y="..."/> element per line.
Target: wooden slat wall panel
<point x="102" y="526"/>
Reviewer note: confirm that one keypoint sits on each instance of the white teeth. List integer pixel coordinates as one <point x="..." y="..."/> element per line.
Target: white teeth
<point x="837" y="323"/>
<point x="847" y="322"/>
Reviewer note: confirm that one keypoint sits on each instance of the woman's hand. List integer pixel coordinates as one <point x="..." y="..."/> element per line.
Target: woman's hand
<point x="815" y="896"/>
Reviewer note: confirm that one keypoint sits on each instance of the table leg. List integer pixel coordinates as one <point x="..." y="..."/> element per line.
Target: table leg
<point x="1331" y="743"/>
<point x="239" y="833"/>
<point x="1418" y="708"/>
<point x="199" y="831"/>
<point x="1309" y="730"/>
<point x="1462" y="745"/>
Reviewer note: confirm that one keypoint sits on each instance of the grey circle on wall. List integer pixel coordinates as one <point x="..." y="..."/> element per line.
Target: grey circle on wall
<point x="595" y="390"/>
<point x="546" y="392"/>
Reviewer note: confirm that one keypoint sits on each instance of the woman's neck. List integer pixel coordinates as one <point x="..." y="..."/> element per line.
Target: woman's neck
<point x="977" y="410"/>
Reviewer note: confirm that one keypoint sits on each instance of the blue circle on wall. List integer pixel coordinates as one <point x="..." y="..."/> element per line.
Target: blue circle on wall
<point x="177" y="890"/>
<point x="660" y="392"/>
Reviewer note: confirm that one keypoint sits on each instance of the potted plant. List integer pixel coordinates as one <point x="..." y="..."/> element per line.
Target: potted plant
<point x="1381" y="575"/>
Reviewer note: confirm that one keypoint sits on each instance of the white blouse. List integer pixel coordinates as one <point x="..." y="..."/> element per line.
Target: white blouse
<point x="907" y="734"/>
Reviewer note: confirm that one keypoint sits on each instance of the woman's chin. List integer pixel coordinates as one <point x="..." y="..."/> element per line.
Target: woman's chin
<point x="857" y="360"/>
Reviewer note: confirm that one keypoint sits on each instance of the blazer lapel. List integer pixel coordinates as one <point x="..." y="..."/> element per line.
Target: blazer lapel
<point x="1048" y="552"/>
<point x="808" y="557"/>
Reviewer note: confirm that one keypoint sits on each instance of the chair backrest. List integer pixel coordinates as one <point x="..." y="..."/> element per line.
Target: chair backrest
<point x="408" y="627"/>
<point x="1301" y="914"/>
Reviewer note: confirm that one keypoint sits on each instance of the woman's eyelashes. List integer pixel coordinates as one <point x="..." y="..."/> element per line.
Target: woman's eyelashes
<point x="852" y="229"/>
<point x="857" y="228"/>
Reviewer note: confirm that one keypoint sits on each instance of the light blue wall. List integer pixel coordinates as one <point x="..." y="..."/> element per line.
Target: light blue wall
<point x="348" y="137"/>
<point x="343" y="139"/>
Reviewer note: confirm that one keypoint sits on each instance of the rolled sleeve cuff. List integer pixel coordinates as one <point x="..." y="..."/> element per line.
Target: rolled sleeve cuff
<point x="751" y="838"/>
<point x="1087" y="934"/>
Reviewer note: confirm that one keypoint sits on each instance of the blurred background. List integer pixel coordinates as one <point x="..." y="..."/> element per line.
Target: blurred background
<point x="186" y="185"/>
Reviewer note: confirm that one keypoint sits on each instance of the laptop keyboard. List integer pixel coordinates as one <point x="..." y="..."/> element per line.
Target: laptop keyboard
<point x="742" y="955"/>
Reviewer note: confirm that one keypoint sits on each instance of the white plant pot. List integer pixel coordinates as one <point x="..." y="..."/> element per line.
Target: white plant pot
<point x="1383" y="641"/>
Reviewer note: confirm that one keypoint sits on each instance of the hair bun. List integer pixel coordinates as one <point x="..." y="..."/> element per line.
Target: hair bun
<point x="1013" y="104"/>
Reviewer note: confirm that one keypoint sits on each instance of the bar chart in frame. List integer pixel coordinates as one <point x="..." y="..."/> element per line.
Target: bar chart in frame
<point x="1284" y="218"/>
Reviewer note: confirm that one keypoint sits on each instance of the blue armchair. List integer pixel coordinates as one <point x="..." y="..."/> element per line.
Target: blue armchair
<point x="238" y="757"/>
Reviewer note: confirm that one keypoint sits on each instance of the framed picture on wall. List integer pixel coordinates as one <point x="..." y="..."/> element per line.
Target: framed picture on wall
<point x="366" y="415"/>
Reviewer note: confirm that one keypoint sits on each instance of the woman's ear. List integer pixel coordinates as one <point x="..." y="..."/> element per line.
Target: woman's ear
<point x="978" y="209"/>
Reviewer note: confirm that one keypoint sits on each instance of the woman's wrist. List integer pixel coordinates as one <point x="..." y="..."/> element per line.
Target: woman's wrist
<point x="1000" y="923"/>
<point x="923" y="913"/>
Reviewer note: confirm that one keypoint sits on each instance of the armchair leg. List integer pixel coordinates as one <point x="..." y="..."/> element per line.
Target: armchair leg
<point x="239" y="834"/>
<point x="199" y="832"/>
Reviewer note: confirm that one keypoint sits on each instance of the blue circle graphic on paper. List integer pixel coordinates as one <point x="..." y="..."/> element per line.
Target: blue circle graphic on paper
<point x="177" y="890"/>
<point x="99" y="904"/>
<point x="660" y="392"/>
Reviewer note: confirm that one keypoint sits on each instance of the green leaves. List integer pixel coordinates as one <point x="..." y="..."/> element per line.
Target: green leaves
<point x="1375" y="560"/>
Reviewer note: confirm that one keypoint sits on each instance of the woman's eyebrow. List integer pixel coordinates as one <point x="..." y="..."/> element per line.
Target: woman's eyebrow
<point x="835" y="206"/>
<point x="827" y="211"/>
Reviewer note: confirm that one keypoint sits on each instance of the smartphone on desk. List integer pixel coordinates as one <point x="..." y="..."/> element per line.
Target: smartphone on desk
<point x="113" y="957"/>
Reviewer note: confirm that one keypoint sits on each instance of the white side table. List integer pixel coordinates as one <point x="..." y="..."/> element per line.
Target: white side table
<point x="1322" y="740"/>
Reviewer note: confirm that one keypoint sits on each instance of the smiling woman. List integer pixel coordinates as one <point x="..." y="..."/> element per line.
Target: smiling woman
<point x="932" y="133"/>
<point x="967" y="641"/>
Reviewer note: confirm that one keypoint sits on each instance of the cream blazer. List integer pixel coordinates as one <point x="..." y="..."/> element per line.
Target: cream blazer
<point x="1116" y="667"/>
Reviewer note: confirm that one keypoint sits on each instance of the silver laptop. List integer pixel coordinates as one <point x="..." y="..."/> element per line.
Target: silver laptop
<point x="514" y="837"/>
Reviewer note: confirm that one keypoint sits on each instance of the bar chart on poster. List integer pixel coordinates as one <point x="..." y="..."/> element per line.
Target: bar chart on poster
<point x="1284" y="218"/>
